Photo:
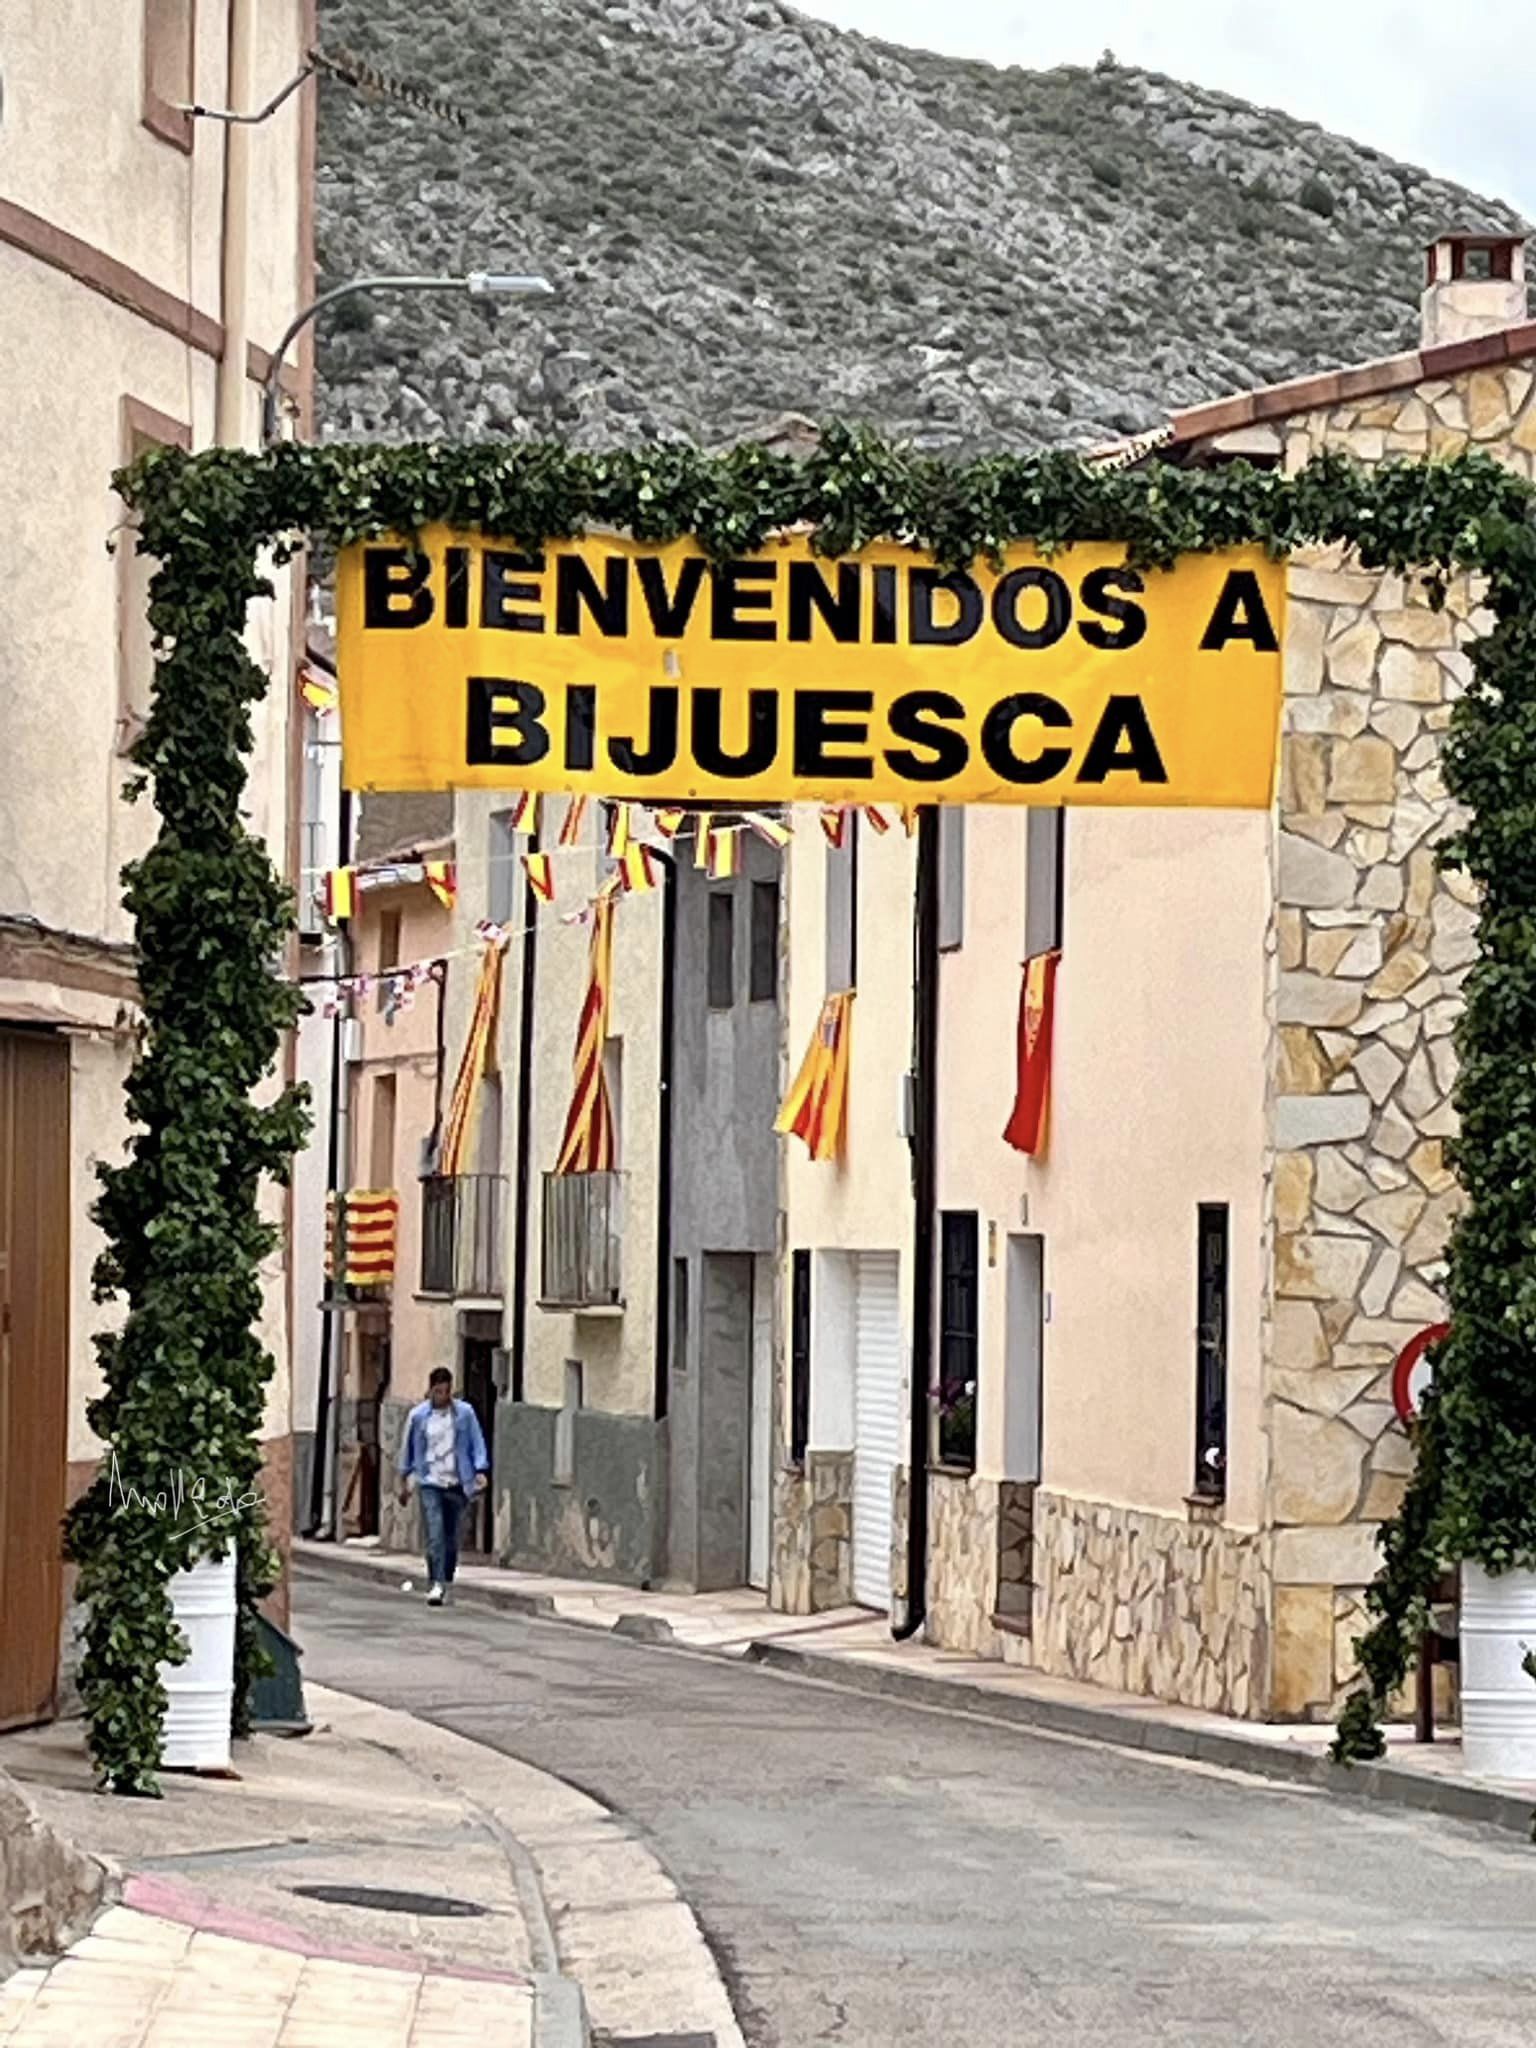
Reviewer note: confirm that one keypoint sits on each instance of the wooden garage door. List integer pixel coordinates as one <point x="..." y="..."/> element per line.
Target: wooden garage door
<point x="34" y="1366"/>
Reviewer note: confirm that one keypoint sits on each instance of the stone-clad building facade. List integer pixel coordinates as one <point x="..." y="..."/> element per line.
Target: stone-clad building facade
<point x="1267" y="1004"/>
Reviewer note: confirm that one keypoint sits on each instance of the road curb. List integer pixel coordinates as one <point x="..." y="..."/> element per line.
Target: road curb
<point x="326" y="1559"/>
<point x="1382" y="1784"/>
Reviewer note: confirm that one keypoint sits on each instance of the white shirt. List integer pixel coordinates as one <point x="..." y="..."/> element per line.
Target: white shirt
<point x="442" y="1451"/>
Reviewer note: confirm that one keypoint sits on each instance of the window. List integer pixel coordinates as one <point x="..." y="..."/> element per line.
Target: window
<point x="800" y="1357"/>
<point x="959" y="1238"/>
<point x="1044" y="869"/>
<point x="488" y="1138"/>
<point x="381" y="1136"/>
<point x="613" y="1074"/>
<point x="564" y="1473"/>
<point x="679" y="1315"/>
<point x="722" y="948"/>
<point x="501" y="869"/>
<point x="951" y="837"/>
<point x="388" y="957"/>
<point x="764" y="977"/>
<point x="142" y="428"/>
<point x="843" y="909"/>
<point x="1211" y="1260"/>
<point x="170" y="41"/>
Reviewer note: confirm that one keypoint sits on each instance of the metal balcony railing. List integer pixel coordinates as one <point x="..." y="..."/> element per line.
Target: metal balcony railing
<point x="583" y="1231"/>
<point x="461" y="1234"/>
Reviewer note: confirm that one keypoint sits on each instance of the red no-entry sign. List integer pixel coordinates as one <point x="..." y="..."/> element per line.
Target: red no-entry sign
<point x="1413" y="1371"/>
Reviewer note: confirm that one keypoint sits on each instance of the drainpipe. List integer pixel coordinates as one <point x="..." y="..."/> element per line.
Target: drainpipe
<point x="528" y="996"/>
<point x="925" y="1049"/>
<point x="662" y="1399"/>
<point x="233" y="385"/>
<point x="322" y="1490"/>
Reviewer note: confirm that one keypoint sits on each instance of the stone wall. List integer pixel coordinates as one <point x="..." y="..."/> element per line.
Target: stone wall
<point x="811" y="1568"/>
<point x="1178" y="1609"/>
<point x="1371" y="946"/>
<point x="963" y="1523"/>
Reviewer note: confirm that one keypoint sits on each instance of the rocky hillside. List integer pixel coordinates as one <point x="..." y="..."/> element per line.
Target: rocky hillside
<point x="748" y="212"/>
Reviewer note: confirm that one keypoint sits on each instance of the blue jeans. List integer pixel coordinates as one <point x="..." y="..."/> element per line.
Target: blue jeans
<point x="441" y="1507"/>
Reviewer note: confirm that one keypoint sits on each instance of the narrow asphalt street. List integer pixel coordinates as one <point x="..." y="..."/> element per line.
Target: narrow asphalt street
<point x="870" y="1873"/>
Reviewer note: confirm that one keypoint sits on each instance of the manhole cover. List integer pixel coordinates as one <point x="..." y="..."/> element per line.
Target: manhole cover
<point x="430" y="1905"/>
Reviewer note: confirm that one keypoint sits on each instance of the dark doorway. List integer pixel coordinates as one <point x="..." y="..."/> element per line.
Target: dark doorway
<point x="34" y="1368"/>
<point x="477" y="1385"/>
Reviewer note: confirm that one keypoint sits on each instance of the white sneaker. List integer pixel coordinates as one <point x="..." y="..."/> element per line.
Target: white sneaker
<point x="434" y="1595"/>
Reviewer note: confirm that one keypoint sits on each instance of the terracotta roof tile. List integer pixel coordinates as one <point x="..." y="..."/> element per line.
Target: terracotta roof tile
<point x="1359" y="380"/>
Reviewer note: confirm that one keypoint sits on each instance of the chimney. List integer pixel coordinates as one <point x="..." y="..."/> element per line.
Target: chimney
<point x="1476" y="284"/>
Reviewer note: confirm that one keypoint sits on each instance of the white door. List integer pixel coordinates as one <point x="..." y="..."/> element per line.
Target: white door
<point x="760" y="1426"/>
<point x="877" y="1419"/>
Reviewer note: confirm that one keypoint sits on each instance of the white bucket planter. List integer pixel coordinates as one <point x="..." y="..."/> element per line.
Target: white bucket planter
<point x="200" y="1693"/>
<point x="1498" y="1698"/>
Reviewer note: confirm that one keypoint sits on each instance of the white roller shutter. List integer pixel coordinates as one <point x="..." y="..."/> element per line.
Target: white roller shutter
<point x="878" y="1434"/>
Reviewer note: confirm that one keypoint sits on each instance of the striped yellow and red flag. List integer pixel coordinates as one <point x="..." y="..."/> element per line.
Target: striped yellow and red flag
<point x="834" y="823"/>
<point x="909" y="818"/>
<point x="771" y="830"/>
<point x="540" y="870"/>
<point x="877" y="818"/>
<point x="703" y="832"/>
<point x="669" y="822"/>
<point x="637" y="870"/>
<point x="588" y="1145"/>
<point x="723" y="852"/>
<point x="621" y="830"/>
<point x="443" y="880"/>
<point x="372" y="1219"/>
<point x="525" y="812"/>
<point x="339" y="899"/>
<point x="570" y="830"/>
<point x="464" y="1103"/>
<point x="815" y="1109"/>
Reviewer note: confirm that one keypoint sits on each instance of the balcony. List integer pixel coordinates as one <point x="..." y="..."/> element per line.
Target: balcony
<point x="462" y="1218"/>
<point x="583" y="1227"/>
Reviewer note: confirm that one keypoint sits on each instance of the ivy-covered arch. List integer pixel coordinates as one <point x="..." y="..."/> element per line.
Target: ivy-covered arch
<point x="186" y="1374"/>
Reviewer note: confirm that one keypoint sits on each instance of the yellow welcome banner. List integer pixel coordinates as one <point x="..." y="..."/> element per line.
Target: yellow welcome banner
<point x="605" y="667"/>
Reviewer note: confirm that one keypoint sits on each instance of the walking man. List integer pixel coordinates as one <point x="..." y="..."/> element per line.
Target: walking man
<point x="444" y="1452"/>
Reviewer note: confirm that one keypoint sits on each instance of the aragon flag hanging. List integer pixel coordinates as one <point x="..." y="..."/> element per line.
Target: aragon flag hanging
<point x="1026" y="1128"/>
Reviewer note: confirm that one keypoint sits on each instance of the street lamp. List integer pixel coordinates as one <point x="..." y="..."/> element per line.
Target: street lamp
<point x="478" y="283"/>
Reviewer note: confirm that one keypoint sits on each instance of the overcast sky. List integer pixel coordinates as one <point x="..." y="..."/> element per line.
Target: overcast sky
<point x="1444" y="87"/>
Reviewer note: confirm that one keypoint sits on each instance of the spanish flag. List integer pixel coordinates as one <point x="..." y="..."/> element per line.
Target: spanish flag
<point x="317" y="690"/>
<point x="834" y="823"/>
<point x="723" y="852"/>
<point x="588" y="1145"/>
<point x="668" y="822"/>
<point x="443" y="880"/>
<point x="621" y="830"/>
<point x="815" y="1108"/>
<point x="1026" y="1128"/>
<point x="340" y="897"/>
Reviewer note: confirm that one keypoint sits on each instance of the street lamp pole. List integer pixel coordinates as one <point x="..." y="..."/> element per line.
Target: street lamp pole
<point x="477" y="283"/>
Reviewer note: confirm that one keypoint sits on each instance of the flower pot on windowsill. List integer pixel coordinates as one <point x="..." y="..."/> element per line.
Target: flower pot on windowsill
<point x="1498" y="1695"/>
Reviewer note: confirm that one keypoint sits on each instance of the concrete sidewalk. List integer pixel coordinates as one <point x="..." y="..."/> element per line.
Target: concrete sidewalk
<point x="343" y="1889"/>
<point x="853" y="1648"/>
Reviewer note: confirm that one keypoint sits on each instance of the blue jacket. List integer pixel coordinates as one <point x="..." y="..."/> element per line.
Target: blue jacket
<point x="468" y="1441"/>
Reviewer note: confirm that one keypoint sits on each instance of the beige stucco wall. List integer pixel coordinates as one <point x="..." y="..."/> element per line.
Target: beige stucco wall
<point x="861" y="1201"/>
<point x="72" y="357"/>
<point x="1157" y="1106"/>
